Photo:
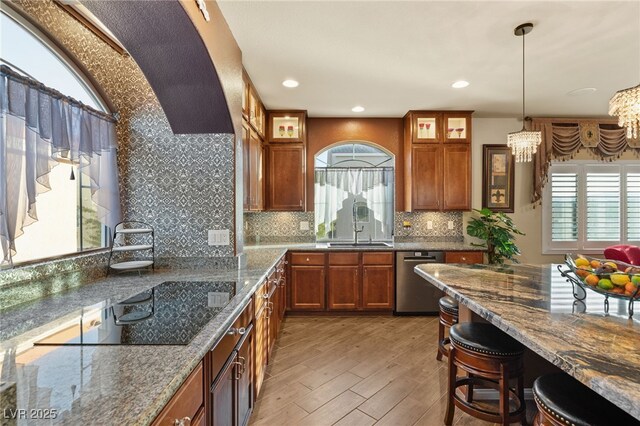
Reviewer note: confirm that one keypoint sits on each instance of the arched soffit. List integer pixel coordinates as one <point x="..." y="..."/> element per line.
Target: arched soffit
<point x="170" y="52"/>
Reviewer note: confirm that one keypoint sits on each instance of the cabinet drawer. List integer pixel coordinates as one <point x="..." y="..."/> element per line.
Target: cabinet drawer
<point x="344" y="258"/>
<point x="224" y="347"/>
<point x="260" y="296"/>
<point x="377" y="258"/>
<point x="186" y="402"/>
<point x="301" y="259"/>
<point x="464" y="257"/>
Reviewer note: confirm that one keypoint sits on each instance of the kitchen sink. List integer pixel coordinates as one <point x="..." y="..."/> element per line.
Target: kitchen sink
<point x="365" y="244"/>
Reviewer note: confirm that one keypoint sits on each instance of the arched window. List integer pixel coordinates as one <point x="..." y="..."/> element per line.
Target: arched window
<point x="354" y="192"/>
<point x="67" y="220"/>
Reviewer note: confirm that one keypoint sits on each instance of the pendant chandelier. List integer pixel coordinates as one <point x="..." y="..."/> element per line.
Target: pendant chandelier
<point x="626" y="105"/>
<point x="524" y="143"/>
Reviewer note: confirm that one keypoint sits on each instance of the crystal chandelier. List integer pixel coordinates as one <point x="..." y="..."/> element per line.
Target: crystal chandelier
<point x="626" y="105"/>
<point x="524" y="143"/>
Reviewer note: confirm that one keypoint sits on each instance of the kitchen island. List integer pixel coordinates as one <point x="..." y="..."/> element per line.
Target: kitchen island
<point x="535" y="305"/>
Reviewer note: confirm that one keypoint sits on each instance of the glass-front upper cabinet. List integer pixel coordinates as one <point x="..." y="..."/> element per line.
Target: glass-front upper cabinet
<point x="426" y="127"/>
<point x="286" y="126"/>
<point x="245" y="95"/>
<point x="457" y="127"/>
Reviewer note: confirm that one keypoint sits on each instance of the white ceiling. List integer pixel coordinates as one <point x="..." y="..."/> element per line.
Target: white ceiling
<point x="393" y="56"/>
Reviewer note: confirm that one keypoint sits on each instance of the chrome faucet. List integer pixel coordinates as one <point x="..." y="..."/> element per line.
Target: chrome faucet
<point x="356" y="231"/>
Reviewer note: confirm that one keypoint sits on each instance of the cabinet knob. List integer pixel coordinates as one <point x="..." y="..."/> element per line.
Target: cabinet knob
<point x="307" y="259"/>
<point x="185" y="421"/>
<point x="233" y="331"/>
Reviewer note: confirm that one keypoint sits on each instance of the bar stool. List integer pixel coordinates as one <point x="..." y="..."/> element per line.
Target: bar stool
<point x="490" y="358"/>
<point x="448" y="317"/>
<point x="562" y="401"/>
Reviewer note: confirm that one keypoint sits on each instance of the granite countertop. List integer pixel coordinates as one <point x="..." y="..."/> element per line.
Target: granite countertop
<point x="112" y="384"/>
<point x="535" y="305"/>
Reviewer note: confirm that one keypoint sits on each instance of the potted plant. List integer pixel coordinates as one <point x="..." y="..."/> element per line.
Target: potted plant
<point x="498" y="233"/>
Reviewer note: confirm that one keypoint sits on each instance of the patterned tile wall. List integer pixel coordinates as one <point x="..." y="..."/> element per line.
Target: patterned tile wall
<point x="267" y="225"/>
<point x="181" y="184"/>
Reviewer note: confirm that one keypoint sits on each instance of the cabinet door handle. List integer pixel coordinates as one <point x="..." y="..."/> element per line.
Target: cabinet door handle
<point x="265" y="296"/>
<point x="238" y="374"/>
<point x="307" y="259"/>
<point x="243" y="362"/>
<point x="463" y="258"/>
<point x="185" y="421"/>
<point x="300" y="203"/>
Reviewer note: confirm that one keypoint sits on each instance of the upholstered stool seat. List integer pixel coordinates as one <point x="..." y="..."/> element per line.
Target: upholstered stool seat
<point x="490" y="358"/>
<point x="448" y="317"/>
<point x="562" y="400"/>
<point x="485" y="339"/>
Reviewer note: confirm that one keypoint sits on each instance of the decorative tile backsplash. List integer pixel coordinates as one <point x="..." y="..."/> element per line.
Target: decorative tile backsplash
<point x="270" y="225"/>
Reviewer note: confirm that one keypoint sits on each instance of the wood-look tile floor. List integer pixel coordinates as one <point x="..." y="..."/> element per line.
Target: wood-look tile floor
<point x="353" y="371"/>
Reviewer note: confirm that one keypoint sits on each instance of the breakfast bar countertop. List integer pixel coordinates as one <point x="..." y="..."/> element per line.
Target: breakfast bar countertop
<point x="535" y="305"/>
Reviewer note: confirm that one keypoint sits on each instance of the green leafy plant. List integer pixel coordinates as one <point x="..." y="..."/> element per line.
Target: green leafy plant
<point x="498" y="233"/>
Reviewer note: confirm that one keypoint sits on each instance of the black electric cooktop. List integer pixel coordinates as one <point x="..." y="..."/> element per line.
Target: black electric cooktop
<point x="171" y="313"/>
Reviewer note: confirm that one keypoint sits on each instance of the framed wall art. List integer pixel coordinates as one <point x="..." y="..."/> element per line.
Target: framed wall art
<point x="497" y="178"/>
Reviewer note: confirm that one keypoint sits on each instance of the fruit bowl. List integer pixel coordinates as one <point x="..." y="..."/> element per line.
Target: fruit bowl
<point x="608" y="277"/>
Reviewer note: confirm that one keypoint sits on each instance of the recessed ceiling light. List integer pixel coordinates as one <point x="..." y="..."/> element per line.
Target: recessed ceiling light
<point x="581" y="91"/>
<point x="357" y="109"/>
<point x="290" y="83"/>
<point x="460" y="84"/>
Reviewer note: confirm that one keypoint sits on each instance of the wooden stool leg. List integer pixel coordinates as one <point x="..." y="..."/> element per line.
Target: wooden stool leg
<point x="504" y="394"/>
<point x="523" y="422"/>
<point x="448" y="418"/>
<point x="440" y="339"/>
<point x="470" y="390"/>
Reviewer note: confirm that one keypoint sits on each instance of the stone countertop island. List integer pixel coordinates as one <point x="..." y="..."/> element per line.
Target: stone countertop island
<point x="535" y="305"/>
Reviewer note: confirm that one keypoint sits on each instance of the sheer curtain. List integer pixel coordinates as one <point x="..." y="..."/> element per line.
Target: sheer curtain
<point x="337" y="188"/>
<point x="39" y="127"/>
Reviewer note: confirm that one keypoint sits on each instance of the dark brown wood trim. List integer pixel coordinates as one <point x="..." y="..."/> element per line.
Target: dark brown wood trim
<point x="91" y="27"/>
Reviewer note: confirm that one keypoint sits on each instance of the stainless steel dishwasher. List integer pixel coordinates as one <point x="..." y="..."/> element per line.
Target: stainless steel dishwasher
<point x="414" y="295"/>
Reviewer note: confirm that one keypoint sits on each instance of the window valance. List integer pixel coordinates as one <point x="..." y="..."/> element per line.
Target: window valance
<point x="563" y="138"/>
<point x="41" y="127"/>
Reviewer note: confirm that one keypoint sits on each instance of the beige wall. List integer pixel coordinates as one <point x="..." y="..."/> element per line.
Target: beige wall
<point x="527" y="219"/>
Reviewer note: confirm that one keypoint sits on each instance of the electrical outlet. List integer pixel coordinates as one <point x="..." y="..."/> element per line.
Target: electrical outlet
<point x="429" y="224"/>
<point x="218" y="237"/>
<point x="304" y="225"/>
<point x="450" y="224"/>
<point x="217" y="299"/>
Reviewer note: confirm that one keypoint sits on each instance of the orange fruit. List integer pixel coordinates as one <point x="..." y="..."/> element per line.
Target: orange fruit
<point x="630" y="287"/>
<point x="583" y="271"/>
<point x="617" y="290"/>
<point x="595" y="263"/>
<point x="592" y="280"/>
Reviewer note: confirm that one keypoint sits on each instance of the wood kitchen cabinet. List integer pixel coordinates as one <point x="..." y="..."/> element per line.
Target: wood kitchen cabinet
<point x="378" y="280"/>
<point x="307" y="286"/>
<point x="285" y="177"/>
<point x="343" y="282"/>
<point x="246" y="168"/>
<point x="426" y="168"/>
<point x="437" y="160"/>
<point x="186" y="403"/>
<point x="231" y="377"/>
<point x="350" y="281"/>
<point x="469" y="257"/>
<point x="456" y="177"/>
<point x="256" y="173"/>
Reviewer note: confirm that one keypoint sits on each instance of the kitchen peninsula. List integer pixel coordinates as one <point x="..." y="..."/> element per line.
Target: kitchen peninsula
<point x="535" y="305"/>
